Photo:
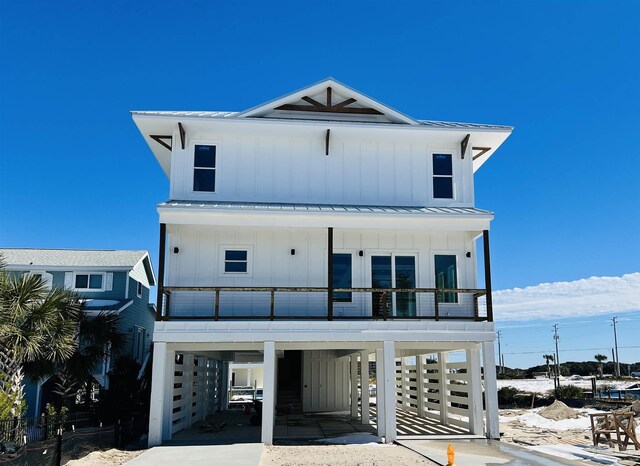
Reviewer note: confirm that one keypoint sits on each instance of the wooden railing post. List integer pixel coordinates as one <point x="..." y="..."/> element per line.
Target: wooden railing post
<point x="330" y="273"/>
<point x="272" y="310"/>
<point x="487" y="274"/>
<point x="216" y="308"/>
<point x="435" y="305"/>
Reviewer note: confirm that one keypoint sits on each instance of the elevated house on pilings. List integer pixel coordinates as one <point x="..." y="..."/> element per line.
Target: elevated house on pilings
<point x="315" y="233"/>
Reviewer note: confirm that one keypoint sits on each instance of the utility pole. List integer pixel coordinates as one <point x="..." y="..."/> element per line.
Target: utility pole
<point x="500" y="370"/>
<point x="556" y="337"/>
<point x="615" y="339"/>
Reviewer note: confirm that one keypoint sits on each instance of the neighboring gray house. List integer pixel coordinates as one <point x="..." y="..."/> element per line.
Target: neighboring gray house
<point x="109" y="281"/>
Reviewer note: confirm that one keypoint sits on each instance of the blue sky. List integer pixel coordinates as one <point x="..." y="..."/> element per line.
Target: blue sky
<point x="75" y="172"/>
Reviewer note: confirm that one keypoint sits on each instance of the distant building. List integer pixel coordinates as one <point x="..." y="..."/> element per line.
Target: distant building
<point x="109" y="281"/>
<point x="313" y="233"/>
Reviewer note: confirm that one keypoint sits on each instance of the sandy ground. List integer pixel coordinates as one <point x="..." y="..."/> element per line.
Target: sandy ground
<point x="341" y="455"/>
<point x="111" y="457"/>
<point x="544" y="385"/>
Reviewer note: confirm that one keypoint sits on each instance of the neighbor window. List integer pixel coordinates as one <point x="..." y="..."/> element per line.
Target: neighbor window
<point x="89" y="281"/>
<point x="342" y="277"/>
<point x="139" y="290"/>
<point x="446" y="277"/>
<point x="236" y="261"/>
<point x="204" y="168"/>
<point x="442" y="176"/>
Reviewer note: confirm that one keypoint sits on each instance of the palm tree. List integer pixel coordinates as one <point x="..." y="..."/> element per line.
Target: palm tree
<point x="600" y="358"/>
<point x="548" y="358"/>
<point x="36" y="325"/>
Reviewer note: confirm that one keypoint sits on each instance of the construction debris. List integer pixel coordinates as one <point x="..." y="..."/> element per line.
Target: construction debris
<point x="212" y="426"/>
<point x="559" y="411"/>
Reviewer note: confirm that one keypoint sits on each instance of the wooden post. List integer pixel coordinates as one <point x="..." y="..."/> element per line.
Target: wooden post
<point x="420" y="383"/>
<point x="435" y="305"/>
<point x="487" y="275"/>
<point x="330" y="273"/>
<point x="272" y="309"/>
<point x="269" y="397"/>
<point x="161" y="253"/>
<point x="216" y="310"/>
<point x="475" y="391"/>
<point x="364" y="384"/>
<point x="354" y="385"/>
<point x="490" y="390"/>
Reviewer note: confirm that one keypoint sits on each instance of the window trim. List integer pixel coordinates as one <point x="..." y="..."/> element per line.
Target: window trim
<point x="194" y="168"/>
<point x="236" y="247"/>
<point x="139" y="289"/>
<point x="95" y="290"/>
<point x="453" y="154"/>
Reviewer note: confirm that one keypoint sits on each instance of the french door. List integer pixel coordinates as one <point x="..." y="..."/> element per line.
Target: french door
<point x="393" y="271"/>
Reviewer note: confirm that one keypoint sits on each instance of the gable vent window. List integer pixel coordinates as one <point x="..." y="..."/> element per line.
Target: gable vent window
<point x="442" y="176"/>
<point x="204" y="168"/>
<point x="235" y="261"/>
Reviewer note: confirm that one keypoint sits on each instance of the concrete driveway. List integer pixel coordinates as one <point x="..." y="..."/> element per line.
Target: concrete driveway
<point x="245" y="454"/>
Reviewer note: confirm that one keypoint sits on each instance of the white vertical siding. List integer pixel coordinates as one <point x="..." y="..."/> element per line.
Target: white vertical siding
<point x="281" y="168"/>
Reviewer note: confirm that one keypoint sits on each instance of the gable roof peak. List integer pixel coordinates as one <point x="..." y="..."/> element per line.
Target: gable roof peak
<point x="328" y="97"/>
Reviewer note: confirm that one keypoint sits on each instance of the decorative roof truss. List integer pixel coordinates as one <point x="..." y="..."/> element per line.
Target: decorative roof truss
<point x="162" y="140"/>
<point x="482" y="151"/>
<point x="329" y="107"/>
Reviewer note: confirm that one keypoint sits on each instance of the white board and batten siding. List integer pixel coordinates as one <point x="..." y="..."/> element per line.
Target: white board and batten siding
<point x="325" y="382"/>
<point x="361" y="169"/>
<point x="200" y="262"/>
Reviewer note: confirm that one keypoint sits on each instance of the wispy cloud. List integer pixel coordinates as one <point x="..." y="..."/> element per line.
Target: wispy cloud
<point x="581" y="298"/>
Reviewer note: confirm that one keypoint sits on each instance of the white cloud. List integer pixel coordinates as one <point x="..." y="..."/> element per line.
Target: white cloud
<point x="581" y="298"/>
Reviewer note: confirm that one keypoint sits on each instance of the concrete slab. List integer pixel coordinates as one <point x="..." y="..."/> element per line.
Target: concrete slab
<point x="242" y="454"/>
<point x="485" y="452"/>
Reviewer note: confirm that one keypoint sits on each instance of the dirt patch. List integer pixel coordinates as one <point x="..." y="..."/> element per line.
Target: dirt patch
<point x="558" y="411"/>
<point x="341" y="455"/>
<point x="111" y="457"/>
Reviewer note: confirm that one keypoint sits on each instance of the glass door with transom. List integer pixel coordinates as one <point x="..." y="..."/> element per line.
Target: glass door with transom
<point x="393" y="271"/>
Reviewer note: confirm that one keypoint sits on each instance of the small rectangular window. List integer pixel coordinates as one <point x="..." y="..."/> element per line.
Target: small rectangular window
<point x="139" y="290"/>
<point x="204" y="168"/>
<point x="446" y="277"/>
<point x="235" y="261"/>
<point x="342" y="276"/>
<point x="442" y="176"/>
<point x="89" y="281"/>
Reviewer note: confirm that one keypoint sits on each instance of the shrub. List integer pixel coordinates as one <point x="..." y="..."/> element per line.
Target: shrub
<point x="568" y="391"/>
<point x="507" y="395"/>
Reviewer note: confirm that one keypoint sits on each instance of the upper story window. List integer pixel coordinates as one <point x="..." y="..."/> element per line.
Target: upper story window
<point x="47" y="278"/>
<point x="139" y="290"/>
<point x="342" y="277"/>
<point x="442" y="176"/>
<point x="236" y="261"/>
<point x="204" y="168"/>
<point x="89" y="282"/>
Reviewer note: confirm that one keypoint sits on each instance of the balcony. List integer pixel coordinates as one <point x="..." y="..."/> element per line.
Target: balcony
<point x="322" y="303"/>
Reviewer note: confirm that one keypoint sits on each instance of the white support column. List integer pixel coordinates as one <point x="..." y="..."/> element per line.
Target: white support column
<point x="490" y="390"/>
<point x="475" y="391"/>
<point x="364" y="377"/>
<point x="269" y="394"/>
<point x="167" y="423"/>
<point x="420" y="383"/>
<point x="161" y="399"/>
<point x="354" y="386"/>
<point x="187" y="375"/>
<point x="380" y="399"/>
<point x="444" y="393"/>
<point x="389" y="391"/>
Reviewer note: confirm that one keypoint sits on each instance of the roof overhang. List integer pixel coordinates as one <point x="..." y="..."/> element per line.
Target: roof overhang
<point x="95" y="307"/>
<point x="348" y="217"/>
<point x="161" y="124"/>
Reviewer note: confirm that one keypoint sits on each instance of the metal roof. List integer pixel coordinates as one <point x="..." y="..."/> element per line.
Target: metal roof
<point x="322" y="208"/>
<point x="71" y="257"/>
<point x="105" y="304"/>
<point x="233" y="115"/>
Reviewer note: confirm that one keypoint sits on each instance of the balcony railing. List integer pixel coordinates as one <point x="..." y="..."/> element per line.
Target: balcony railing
<point x="321" y="303"/>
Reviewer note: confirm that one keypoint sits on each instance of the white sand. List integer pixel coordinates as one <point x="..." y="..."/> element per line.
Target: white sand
<point x="341" y="455"/>
<point x="111" y="457"/>
<point x="546" y="385"/>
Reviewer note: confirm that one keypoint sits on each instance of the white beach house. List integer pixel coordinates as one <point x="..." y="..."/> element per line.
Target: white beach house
<point x="313" y="233"/>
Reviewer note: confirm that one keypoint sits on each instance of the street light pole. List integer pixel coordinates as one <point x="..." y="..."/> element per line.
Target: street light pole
<point x="556" y="337"/>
